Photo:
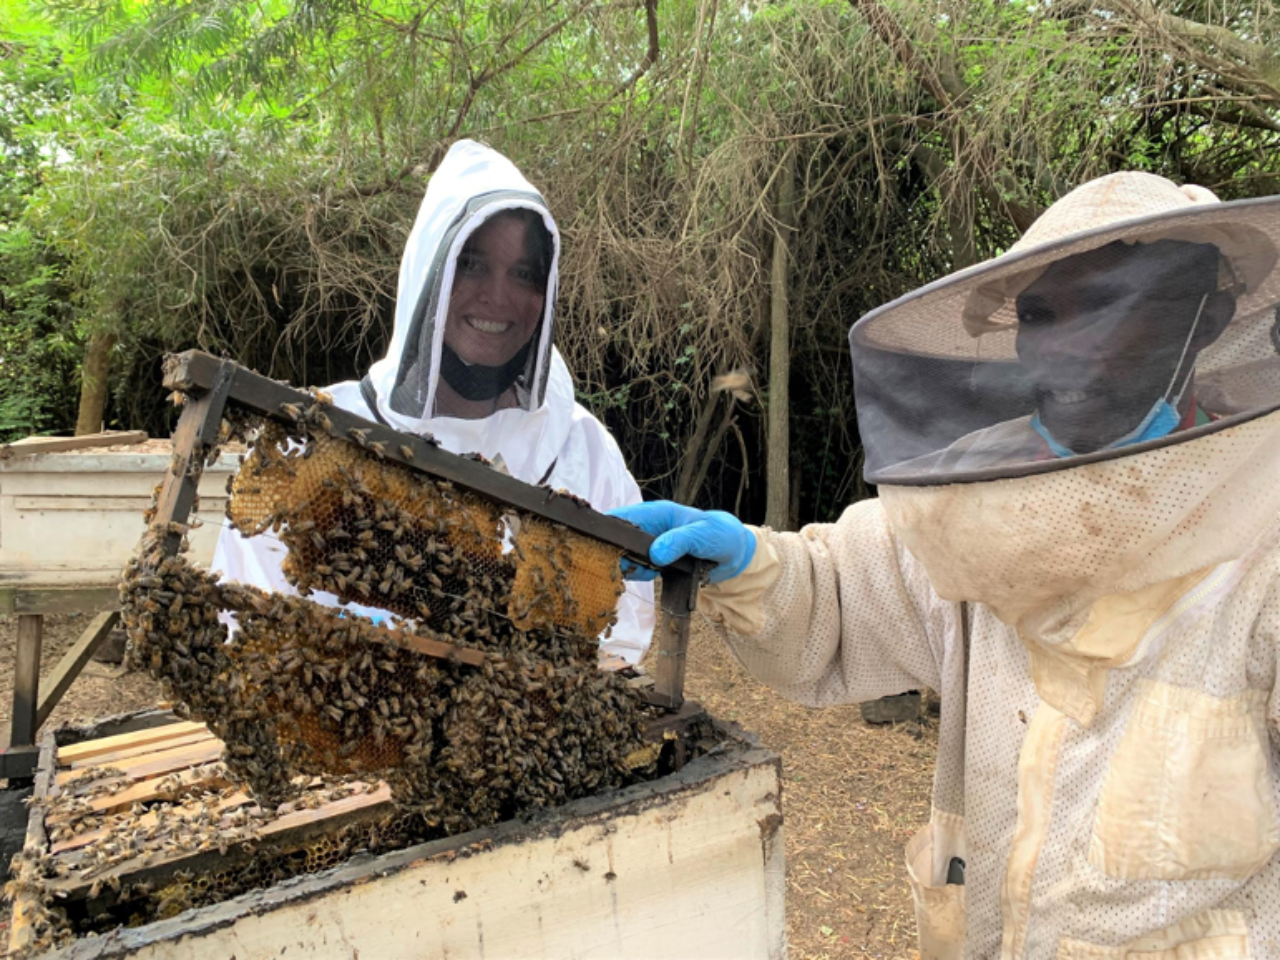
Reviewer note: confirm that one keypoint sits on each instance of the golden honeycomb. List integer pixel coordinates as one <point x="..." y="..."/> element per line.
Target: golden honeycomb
<point x="304" y="687"/>
<point x="379" y="534"/>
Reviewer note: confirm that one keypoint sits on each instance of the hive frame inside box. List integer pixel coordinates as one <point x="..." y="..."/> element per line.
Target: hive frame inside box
<point x="174" y="766"/>
<point x="211" y="384"/>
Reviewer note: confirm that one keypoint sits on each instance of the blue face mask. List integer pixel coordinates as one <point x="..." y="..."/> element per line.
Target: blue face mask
<point x="1161" y="420"/>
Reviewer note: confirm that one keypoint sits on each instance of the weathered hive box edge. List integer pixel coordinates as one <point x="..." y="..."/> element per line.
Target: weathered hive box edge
<point x="534" y="887"/>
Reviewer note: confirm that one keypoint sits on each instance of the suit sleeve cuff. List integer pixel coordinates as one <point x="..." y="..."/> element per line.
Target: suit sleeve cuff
<point x="738" y="603"/>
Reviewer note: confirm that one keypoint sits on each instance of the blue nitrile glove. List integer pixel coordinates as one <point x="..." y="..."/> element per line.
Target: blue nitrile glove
<point x="685" y="532"/>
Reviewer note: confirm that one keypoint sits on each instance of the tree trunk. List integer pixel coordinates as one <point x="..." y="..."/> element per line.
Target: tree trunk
<point x="694" y="452"/>
<point x="704" y="463"/>
<point x="93" y="382"/>
<point x="778" y="469"/>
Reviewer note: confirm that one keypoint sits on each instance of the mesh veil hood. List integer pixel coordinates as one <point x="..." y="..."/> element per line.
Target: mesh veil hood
<point x="996" y="516"/>
<point x="472" y="184"/>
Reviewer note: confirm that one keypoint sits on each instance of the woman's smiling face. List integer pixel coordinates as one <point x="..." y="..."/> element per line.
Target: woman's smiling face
<point x="499" y="290"/>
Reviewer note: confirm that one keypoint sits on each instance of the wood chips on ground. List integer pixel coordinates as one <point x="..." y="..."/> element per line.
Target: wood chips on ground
<point x="852" y="794"/>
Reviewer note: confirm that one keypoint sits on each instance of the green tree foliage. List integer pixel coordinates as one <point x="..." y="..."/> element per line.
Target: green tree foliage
<point x="242" y="176"/>
<point x="38" y="344"/>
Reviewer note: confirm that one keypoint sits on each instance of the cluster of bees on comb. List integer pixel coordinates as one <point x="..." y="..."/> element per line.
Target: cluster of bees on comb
<point x="514" y="715"/>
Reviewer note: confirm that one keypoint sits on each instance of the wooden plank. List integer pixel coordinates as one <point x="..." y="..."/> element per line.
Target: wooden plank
<point x="73" y="661"/>
<point x="110" y="759"/>
<point x="26" y="680"/>
<point x="440" y="649"/>
<point x="212" y="776"/>
<point x="384" y="634"/>
<point x="146" y="822"/>
<point x="89" y="599"/>
<point x="153" y="764"/>
<point x="94" y="748"/>
<point x="337" y="808"/>
<point x="31" y="446"/>
<point x="88" y="504"/>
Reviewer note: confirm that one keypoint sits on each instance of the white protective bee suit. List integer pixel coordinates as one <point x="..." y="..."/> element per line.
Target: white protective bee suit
<point x="548" y="437"/>
<point x="1103" y="629"/>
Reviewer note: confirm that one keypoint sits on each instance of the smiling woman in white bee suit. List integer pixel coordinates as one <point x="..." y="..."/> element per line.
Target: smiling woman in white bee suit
<point x="1077" y="543"/>
<point x="472" y="362"/>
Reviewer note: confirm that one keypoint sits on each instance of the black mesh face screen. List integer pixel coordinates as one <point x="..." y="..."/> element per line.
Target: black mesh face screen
<point x="487" y="356"/>
<point x="1097" y="353"/>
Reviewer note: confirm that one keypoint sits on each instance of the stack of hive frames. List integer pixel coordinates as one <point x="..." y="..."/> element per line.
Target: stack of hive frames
<point x="142" y="832"/>
<point x="139" y="826"/>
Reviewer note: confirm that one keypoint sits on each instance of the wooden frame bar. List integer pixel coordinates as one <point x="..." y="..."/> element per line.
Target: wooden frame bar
<point x="210" y="383"/>
<point x="194" y="372"/>
<point x="679" y="599"/>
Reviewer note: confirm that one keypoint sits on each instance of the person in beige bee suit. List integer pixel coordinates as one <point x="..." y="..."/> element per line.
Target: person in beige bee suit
<point x="1077" y="543"/>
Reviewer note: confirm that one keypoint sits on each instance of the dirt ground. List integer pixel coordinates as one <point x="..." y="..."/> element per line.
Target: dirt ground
<point x="852" y="794"/>
<point x="97" y="692"/>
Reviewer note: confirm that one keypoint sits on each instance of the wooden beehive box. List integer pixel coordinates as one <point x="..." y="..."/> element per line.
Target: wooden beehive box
<point x="688" y="865"/>
<point x="71" y="517"/>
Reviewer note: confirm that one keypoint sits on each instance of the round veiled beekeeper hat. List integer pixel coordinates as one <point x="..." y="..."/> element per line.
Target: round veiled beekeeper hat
<point x="1130" y="207"/>
<point x="941" y="363"/>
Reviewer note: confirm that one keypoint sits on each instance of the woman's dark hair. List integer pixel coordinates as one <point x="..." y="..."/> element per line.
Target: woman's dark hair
<point x="539" y="247"/>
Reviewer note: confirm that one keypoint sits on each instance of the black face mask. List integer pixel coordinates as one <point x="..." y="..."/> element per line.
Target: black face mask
<point x="477" y="382"/>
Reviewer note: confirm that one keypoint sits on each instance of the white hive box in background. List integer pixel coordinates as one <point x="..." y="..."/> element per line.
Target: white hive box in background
<point x="73" y="518"/>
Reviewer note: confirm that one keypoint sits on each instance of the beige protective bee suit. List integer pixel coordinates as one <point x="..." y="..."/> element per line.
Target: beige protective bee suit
<point x="1103" y="627"/>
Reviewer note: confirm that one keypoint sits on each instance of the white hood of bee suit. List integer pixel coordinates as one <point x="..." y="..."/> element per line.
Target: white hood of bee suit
<point x="549" y="437"/>
<point x="472" y="183"/>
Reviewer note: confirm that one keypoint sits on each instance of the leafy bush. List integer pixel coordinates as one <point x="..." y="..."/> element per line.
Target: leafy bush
<point x="39" y="353"/>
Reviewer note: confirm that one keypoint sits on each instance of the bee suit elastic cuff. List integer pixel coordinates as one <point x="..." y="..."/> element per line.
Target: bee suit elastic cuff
<point x="738" y="603"/>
